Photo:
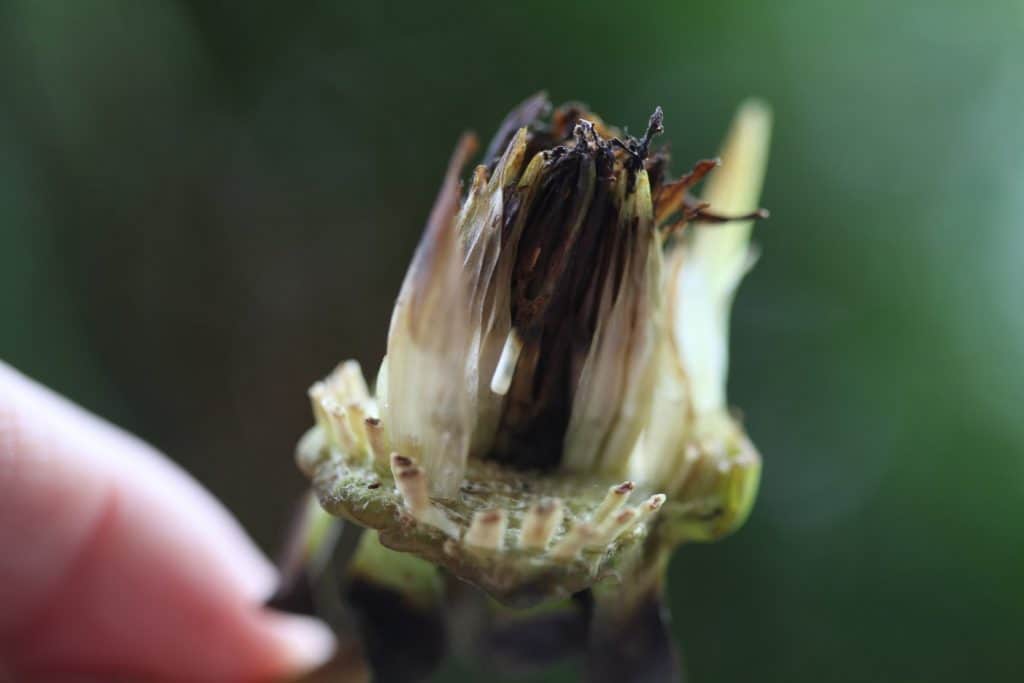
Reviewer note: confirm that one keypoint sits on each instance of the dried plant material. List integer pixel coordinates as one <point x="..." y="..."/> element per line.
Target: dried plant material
<point x="563" y="326"/>
<point x="540" y="523"/>
<point x="487" y="530"/>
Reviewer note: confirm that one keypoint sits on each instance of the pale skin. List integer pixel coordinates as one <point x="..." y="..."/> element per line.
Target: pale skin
<point x="116" y="565"/>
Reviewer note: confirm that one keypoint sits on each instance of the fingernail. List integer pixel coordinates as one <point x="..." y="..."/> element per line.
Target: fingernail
<point x="308" y="643"/>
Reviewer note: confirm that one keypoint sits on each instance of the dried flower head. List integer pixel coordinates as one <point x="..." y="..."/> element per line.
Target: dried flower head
<point x="551" y="409"/>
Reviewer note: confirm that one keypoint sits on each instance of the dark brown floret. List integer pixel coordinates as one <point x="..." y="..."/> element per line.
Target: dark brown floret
<point x="568" y="241"/>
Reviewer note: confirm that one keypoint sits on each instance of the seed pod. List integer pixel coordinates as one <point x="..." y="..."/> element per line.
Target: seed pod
<point x="562" y="328"/>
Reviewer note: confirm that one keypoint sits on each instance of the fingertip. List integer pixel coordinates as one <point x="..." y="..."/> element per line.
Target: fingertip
<point x="304" y="643"/>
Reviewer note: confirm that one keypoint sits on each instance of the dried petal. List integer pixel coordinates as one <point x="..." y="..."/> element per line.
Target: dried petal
<point x="429" y="409"/>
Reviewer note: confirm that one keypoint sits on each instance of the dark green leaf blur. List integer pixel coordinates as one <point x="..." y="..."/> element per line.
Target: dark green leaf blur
<point x="205" y="205"/>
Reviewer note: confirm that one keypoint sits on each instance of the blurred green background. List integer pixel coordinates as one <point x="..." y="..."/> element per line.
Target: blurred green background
<point x="205" y="205"/>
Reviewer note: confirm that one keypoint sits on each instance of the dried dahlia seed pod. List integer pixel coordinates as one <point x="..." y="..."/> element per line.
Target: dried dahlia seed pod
<point x="557" y="347"/>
